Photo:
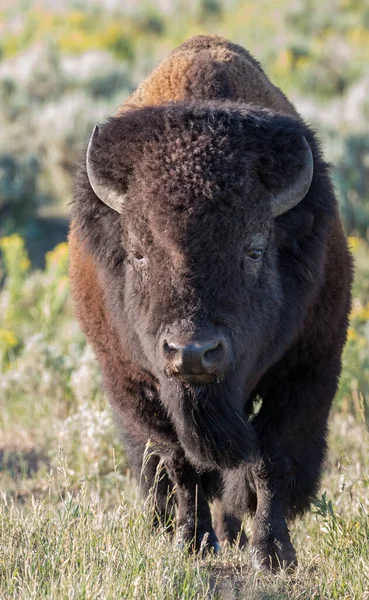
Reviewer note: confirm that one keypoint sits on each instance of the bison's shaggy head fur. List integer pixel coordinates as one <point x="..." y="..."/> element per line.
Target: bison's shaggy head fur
<point x="196" y="251"/>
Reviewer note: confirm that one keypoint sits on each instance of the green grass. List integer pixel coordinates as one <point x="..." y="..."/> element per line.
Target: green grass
<point x="71" y="521"/>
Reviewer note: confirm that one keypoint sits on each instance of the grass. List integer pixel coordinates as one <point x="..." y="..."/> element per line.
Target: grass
<point x="61" y="539"/>
<point x="71" y="521"/>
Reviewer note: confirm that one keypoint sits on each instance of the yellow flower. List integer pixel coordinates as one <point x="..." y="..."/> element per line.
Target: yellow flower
<point x="354" y="243"/>
<point x="57" y="259"/>
<point x="351" y="335"/>
<point x="76" y="18"/>
<point x="15" y="255"/>
<point x="7" y="339"/>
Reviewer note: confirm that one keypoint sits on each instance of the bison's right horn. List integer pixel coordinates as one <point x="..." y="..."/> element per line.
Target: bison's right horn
<point x="103" y="190"/>
<point x="297" y="190"/>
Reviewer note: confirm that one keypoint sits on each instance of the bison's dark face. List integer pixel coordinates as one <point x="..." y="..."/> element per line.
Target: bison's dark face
<point x="198" y="192"/>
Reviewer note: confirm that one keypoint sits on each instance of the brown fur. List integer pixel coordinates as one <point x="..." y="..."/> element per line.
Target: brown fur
<point x="181" y="76"/>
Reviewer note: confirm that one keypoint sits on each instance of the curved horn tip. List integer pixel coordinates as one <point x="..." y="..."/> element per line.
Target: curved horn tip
<point x="297" y="190"/>
<point x="93" y="137"/>
<point x="104" y="190"/>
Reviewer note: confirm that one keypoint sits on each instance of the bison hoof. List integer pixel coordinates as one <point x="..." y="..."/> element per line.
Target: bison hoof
<point x="273" y="556"/>
<point x="204" y="542"/>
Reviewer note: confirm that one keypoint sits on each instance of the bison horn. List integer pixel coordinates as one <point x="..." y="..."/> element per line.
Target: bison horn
<point x="103" y="189"/>
<point x="297" y="190"/>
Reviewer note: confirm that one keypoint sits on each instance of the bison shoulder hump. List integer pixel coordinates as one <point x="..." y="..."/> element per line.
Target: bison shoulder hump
<point x="205" y="68"/>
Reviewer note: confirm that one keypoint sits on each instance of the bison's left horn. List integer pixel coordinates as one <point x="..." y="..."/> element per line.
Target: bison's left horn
<point x="297" y="190"/>
<point x="103" y="189"/>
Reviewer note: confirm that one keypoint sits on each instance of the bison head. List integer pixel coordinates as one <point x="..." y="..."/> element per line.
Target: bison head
<point x="182" y="219"/>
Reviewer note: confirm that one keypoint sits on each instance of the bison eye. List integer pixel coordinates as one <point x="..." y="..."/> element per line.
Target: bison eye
<point x="255" y="254"/>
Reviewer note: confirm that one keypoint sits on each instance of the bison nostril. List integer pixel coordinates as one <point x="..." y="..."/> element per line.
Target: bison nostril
<point x="170" y="349"/>
<point x="214" y="354"/>
<point x="166" y="347"/>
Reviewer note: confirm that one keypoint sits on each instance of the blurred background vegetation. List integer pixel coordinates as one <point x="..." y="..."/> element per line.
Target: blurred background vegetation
<point x="66" y="66"/>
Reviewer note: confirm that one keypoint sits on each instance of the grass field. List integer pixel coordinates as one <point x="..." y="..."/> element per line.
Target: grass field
<point x="61" y="539"/>
<point x="71" y="522"/>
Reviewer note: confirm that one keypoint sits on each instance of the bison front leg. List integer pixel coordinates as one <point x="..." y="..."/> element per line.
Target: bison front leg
<point x="292" y="431"/>
<point x="194" y="526"/>
<point x="271" y="547"/>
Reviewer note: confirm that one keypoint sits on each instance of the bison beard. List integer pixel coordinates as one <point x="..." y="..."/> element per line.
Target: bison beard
<point x="212" y="432"/>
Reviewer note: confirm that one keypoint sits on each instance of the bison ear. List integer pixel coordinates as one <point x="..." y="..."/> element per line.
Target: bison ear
<point x="297" y="189"/>
<point x="103" y="189"/>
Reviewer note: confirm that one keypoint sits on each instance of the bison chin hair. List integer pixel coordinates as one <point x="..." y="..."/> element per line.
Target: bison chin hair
<point x="212" y="433"/>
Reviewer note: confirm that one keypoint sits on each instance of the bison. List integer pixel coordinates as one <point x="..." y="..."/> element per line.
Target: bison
<point x="211" y="274"/>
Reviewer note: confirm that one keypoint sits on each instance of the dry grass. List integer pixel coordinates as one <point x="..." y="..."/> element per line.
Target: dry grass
<point x="62" y="537"/>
